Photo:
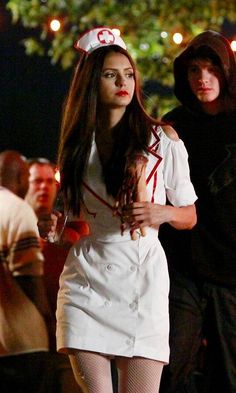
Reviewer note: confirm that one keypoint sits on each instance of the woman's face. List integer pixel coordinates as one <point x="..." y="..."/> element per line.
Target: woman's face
<point x="117" y="81"/>
<point x="205" y="80"/>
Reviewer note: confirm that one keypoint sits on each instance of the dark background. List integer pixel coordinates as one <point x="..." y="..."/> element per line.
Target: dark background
<point x="32" y="92"/>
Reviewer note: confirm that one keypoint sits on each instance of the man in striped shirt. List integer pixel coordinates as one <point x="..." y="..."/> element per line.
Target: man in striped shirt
<point x="23" y="303"/>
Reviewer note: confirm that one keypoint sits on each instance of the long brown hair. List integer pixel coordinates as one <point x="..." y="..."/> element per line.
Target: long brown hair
<point x="80" y="119"/>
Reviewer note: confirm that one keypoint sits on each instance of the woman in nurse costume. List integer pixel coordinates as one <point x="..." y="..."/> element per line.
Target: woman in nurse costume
<point x="118" y="165"/>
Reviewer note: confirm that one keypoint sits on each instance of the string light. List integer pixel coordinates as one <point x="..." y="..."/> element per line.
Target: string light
<point x="233" y="45"/>
<point x="55" y="25"/>
<point x="57" y="175"/>
<point x="177" y="38"/>
<point x="164" y="34"/>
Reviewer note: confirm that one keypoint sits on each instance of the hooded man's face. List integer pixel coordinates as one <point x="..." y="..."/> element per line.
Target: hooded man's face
<point x="206" y="80"/>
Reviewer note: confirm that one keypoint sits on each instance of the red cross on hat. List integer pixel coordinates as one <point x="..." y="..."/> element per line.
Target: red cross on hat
<point x="106" y="37"/>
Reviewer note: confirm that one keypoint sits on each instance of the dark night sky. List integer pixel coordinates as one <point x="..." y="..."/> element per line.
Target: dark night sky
<point x="31" y="96"/>
<point x="32" y="92"/>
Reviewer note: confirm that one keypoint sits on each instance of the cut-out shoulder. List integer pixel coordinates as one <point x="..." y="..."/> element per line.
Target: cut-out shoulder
<point x="170" y="132"/>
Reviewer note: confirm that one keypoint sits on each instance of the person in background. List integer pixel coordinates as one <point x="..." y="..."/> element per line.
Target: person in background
<point x="202" y="263"/>
<point x="42" y="195"/>
<point x="42" y="192"/>
<point x="24" y="310"/>
<point x="117" y="166"/>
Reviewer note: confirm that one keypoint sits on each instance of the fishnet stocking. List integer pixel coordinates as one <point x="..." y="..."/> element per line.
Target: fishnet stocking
<point x="136" y="375"/>
<point x="139" y="375"/>
<point x="92" y="372"/>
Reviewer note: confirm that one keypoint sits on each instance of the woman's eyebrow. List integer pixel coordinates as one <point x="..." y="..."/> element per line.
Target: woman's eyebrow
<point x="116" y="69"/>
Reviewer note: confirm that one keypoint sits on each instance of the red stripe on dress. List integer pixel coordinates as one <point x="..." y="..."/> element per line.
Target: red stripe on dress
<point x="152" y="150"/>
<point x="99" y="198"/>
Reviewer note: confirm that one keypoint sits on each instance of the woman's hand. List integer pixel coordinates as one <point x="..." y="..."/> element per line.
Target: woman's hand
<point x="144" y="214"/>
<point x="133" y="189"/>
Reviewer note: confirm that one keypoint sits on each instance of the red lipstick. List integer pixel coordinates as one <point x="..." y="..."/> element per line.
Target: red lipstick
<point x="122" y="93"/>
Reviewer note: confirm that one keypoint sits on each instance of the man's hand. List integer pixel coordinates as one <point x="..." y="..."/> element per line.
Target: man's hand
<point x="47" y="225"/>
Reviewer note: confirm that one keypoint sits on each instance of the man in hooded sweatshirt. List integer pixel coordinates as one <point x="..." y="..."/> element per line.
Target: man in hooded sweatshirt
<point x="202" y="262"/>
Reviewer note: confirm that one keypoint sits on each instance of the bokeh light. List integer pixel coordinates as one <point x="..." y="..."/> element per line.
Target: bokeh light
<point x="233" y="45"/>
<point x="55" y="25"/>
<point x="177" y="38"/>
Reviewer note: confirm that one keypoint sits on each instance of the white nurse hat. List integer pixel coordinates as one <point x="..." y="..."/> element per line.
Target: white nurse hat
<point x="97" y="38"/>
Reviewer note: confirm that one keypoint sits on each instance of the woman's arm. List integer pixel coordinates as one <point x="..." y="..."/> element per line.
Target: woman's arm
<point x="141" y="214"/>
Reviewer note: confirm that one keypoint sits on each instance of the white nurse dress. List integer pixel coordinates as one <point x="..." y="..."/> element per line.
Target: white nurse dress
<point x="113" y="296"/>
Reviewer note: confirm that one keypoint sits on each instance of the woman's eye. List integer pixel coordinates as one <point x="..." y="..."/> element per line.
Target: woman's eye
<point x="130" y="75"/>
<point x="109" y="74"/>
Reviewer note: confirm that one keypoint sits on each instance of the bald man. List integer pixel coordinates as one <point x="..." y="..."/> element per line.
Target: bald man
<point x="23" y="302"/>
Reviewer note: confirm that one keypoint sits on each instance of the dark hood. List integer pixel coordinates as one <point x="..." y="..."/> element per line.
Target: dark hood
<point x="218" y="46"/>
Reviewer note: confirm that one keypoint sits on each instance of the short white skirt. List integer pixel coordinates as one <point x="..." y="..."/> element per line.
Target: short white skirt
<point x="113" y="298"/>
